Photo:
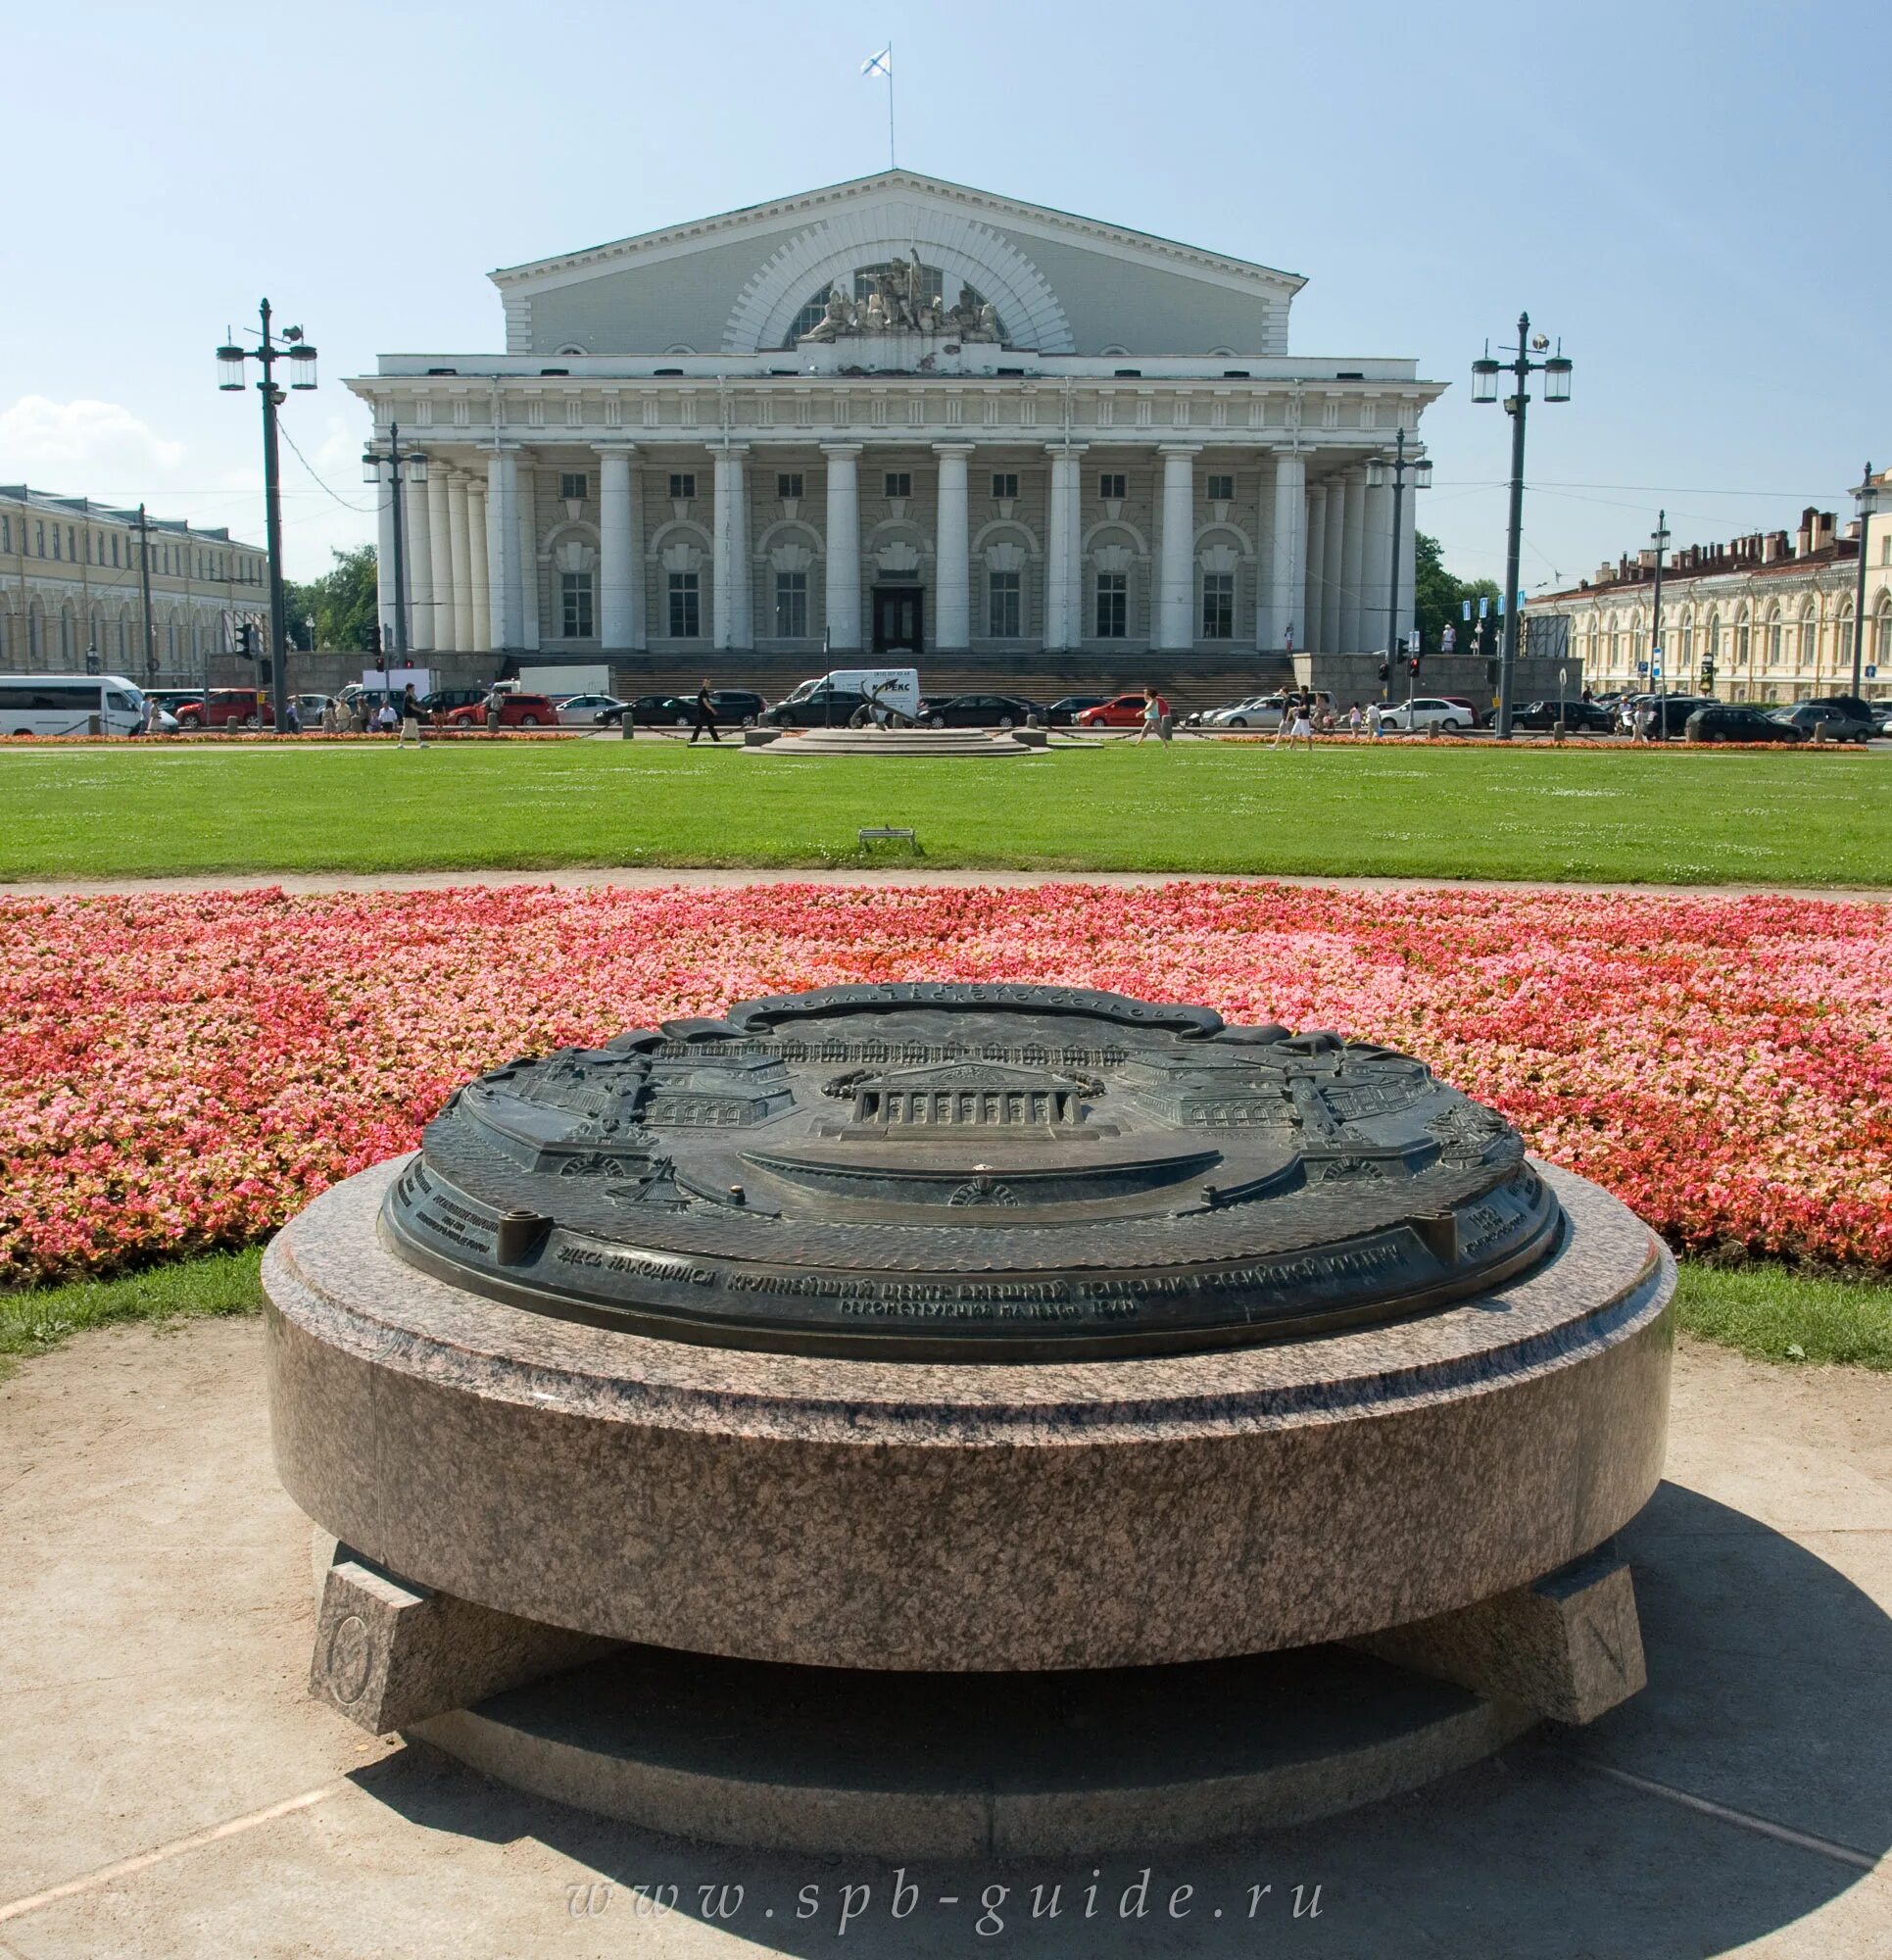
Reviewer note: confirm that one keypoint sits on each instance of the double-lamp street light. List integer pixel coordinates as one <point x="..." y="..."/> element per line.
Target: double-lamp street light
<point x="409" y="467"/>
<point x="1395" y="470"/>
<point x="231" y="377"/>
<point x="1485" y="370"/>
<point x="1867" y="498"/>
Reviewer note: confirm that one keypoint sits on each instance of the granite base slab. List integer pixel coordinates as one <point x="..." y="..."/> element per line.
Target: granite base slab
<point x="864" y="1762"/>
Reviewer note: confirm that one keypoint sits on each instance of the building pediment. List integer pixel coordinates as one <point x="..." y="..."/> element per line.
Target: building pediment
<point x="735" y="283"/>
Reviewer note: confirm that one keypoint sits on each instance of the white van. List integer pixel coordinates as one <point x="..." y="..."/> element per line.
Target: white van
<point x="835" y="696"/>
<point x="65" y="704"/>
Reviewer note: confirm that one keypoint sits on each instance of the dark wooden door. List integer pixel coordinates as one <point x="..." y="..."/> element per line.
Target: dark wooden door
<point x="897" y="619"/>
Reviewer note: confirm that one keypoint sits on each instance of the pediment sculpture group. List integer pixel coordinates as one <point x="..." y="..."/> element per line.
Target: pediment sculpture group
<point x="899" y="304"/>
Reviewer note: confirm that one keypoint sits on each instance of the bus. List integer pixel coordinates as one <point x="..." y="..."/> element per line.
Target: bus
<point x="67" y="703"/>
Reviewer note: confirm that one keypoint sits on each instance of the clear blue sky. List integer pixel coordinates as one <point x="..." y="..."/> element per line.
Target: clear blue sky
<point x="1697" y="198"/>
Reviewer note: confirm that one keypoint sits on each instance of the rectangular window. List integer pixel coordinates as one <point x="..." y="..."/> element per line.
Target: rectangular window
<point x="683" y="484"/>
<point x="72" y="544"/>
<point x="1218" y="606"/>
<point x="900" y="483"/>
<point x="792" y="605"/>
<point x="572" y="483"/>
<point x="1003" y="604"/>
<point x="788" y="485"/>
<point x="1806" y="644"/>
<point x="1221" y="489"/>
<point x="55" y="540"/>
<point x="1774" y="646"/>
<point x="115" y="547"/>
<point x="575" y="592"/>
<point x="686" y="614"/>
<point x="1113" y="604"/>
<point x="39" y="537"/>
<point x="1110" y="486"/>
<point x="6" y="533"/>
<point x="1004" y="483"/>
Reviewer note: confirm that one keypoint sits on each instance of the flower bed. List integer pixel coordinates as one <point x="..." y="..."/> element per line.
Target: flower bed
<point x="184" y="1072"/>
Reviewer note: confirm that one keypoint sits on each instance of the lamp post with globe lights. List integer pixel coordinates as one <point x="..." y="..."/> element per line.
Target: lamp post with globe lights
<point x="1556" y="371"/>
<point x="410" y="467"/>
<point x="294" y="349"/>
<point x="1867" y="498"/>
<point x="1381" y="472"/>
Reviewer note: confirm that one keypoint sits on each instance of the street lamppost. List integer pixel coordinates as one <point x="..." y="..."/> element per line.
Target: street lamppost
<point x="1379" y="472"/>
<point x="1484" y="388"/>
<point x="230" y="377"/>
<point x="1659" y="537"/>
<point x="1867" y="498"/>
<point x="411" y="468"/>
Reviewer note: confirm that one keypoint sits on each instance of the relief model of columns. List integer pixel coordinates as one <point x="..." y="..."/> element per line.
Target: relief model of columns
<point x="1313" y="593"/>
<point x="504" y="607"/>
<point x="1353" y="535"/>
<point x="951" y="561"/>
<point x="462" y="555"/>
<point x="1176" y="565"/>
<point x="730" y="533"/>
<point x="620" y="585"/>
<point x="418" y="511"/>
<point x="481" y="575"/>
<point x="1287" y="553"/>
<point x="1333" y="492"/>
<point x="528" y="555"/>
<point x="843" y="546"/>
<point x="1376" y="570"/>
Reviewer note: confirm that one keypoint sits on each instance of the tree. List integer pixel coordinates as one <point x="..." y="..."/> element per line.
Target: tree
<point x="1438" y="598"/>
<point x="344" y="601"/>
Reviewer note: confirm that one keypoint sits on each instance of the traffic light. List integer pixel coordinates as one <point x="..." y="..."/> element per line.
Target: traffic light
<point x="1386" y="671"/>
<point x="1708" y="676"/>
<point x="245" y="641"/>
<point x="1412" y="665"/>
<point x="374" y="641"/>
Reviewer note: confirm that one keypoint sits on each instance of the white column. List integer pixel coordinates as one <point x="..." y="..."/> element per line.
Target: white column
<point x="1176" y="573"/>
<point x="952" y="553"/>
<point x="1376" y="569"/>
<point x="1287" y="553"/>
<point x="742" y="593"/>
<point x="481" y="575"/>
<point x="730" y="533"/>
<point x="527" y="514"/>
<point x="844" y="546"/>
<point x="620" y="587"/>
<point x="1060" y="573"/>
<point x="440" y="552"/>
<point x="1408" y="527"/>
<point x="1334" y="492"/>
<point x="1353" y="533"/>
<point x="503" y="601"/>
<point x="1314" y="593"/>
<point x="421" y="569"/>
<point x="387" y="600"/>
<point x="463" y="554"/>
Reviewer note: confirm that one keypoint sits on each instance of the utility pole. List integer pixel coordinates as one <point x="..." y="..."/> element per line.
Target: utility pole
<point x="1659" y="537"/>
<point x="296" y="350"/>
<point x="401" y="470"/>
<point x="1484" y="375"/>
<point x="144" y="592"/>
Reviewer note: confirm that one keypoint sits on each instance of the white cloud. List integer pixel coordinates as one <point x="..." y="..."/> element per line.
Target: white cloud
<point x="68" y="446"/>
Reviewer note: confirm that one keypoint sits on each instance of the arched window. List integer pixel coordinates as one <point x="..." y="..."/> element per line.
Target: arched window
<point x="1777" y="637"/>
<point x="573" y="348"/>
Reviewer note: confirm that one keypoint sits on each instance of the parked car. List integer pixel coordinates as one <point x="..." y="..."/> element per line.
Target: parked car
<point x="1672" y="712"/>
<point x="1478" y="717"/>
<point x="979" y="711"/>
<point x="1831" y="720"/>
<point x="1427" y="710"/>
<point x="172" y="698"/>
<point x="1258" y="711"/>
<point x="1123" y="711"/>
<point x="228" y="708"/>
<point x="1729" y="721"/>
<point x="1580" y="717"/>
<point x="820" y="708"/>
<point x="1065" y="711"/>
<point x="581" y="710"/>
<point x="443" y="701"/>
<point x="517" y="710"/>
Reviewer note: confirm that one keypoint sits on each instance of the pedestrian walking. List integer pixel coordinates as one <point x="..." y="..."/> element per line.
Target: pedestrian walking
<point x="1354" y="719"/>
<point x="1153" y="709"/>
<point x="1376" y="720"/>
<point x="1301" y="729"/>
<point x="706" y="716"/>
<point x="410" y="717"/>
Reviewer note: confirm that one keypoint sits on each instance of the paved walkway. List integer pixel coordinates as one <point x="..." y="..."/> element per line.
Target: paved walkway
<point x="168" y="1789"/>
<point x="645" y="878"/>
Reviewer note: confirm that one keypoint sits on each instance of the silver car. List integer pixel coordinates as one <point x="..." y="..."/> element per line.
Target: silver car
<point x="581" y="710"/>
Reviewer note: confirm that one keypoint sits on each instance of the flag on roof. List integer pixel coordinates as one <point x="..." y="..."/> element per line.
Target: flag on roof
<point x="880" y="63"/>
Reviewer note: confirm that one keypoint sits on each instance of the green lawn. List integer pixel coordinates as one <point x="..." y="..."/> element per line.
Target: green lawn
<point x="1765" y="1311"/>
<point x="1402" y="810"/>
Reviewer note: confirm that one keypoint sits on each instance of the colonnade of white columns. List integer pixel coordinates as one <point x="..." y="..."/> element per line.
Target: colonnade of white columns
<point x="1322" y="554"/>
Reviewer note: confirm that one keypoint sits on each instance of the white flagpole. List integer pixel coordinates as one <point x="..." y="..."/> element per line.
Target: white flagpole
<point x="891" y="161"/>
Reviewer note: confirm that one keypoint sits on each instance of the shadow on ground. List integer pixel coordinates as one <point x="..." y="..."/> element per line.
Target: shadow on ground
<point x="1770" y="1697"/>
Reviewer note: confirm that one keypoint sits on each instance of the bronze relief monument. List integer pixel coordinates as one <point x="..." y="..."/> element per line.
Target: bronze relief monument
<point x="958" y="1349"/>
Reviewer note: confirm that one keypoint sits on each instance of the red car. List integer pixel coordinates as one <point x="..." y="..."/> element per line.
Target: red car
<point x="1126" y="712"/>
<point x="517" y="710"/>
<point x="227" y="708"/>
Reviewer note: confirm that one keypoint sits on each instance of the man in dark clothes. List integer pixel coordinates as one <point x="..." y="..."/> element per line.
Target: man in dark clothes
<point x="706" y="716"/>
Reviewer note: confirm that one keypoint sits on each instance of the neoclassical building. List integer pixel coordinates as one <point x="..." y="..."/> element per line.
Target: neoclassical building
<point x="1773" y="612"/>
<point x="895" y="414"/>
<point x="70" y="585"/>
